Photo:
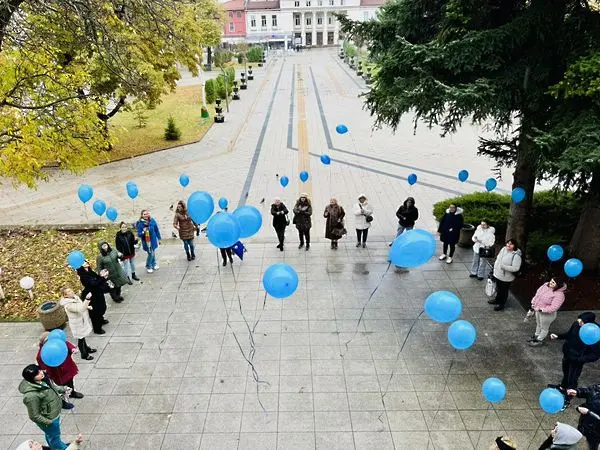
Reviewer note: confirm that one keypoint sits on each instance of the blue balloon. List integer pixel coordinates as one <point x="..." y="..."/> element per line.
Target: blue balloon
<point x="325" y="159"/>
<point x="518" y="195"/>
<point x="76" y="259"/>
<point x="184" y="180"/>
<point x="200" y="206"/>
<point x="223" y="230"/>
<point x="284" y="181"/>
<point x="58" y="334"/>
<point x="551" y="400"/>
<point x="573" y="267"/>
<point x="54" y="352"/>
<point x="490" y="184"/>
<point x="250" y="220"/>
<point x="462" y="334"/>
<point x="412" y="248"/>
<point x="589" y="333"/>
<point x="132" y="190"/>
<point x="85" y="193"/>
<point x="555" y="252"/>
<point x="494" y="390"/>
<point x="280" y="280"/>
<point x="112" y="214"/>
<point x="341" y="129"/>
<point x="223" y="203"/>
<point x="304" y="176"/>
<point x="99" y="207"/>
<point x="412" y="178"/>
<point x="463" y="175"/>
<point x="443" y="306"/>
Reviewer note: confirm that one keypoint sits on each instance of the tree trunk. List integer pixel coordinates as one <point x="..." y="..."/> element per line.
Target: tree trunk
<point x="585" y="243"/>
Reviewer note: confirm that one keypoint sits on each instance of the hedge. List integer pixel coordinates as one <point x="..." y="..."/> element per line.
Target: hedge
<point x="255" y="54"/>
<point x="210" y="91"/>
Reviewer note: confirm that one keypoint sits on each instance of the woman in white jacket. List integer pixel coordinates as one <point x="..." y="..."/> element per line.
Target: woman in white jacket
<point x="483" y="237"/>
<point x="363" y="214"/>
<point x="79" y="320"/>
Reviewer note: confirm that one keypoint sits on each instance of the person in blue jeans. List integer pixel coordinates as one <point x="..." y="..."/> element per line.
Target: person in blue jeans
<point x="407" y="215"/>
<point x="43" y="401"/>
<point x="149" y="234"/>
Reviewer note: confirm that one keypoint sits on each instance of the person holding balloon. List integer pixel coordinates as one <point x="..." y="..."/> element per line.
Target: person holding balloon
<point x="108" y="259"/>
<point x="407" y="215"/>
<point x="96" y="285"/>
<point x="148" y="232"/>
<point x="183" y="223"/>
<point x="42" y="398"/>
<point x="562" y="437"/>
<point x="125" y="243"/>
<point x="280" y="220"/>
<point x="302" y="213"/>
<point x="545" y="303"/>
<point x="79" y="320"/>
<point x="334" y="226"/>
<point x="363" y="213"/>
<point x="507" y="264"/>
<point x="483" y="238"/>
<point x="589" y="418"/>
<point x="449" y="231"/>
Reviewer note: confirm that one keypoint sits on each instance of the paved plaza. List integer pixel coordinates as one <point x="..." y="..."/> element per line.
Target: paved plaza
<point x="349" y="361"/>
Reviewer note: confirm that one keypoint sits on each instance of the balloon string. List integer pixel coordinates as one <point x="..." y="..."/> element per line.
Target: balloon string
<point x="483" y="424"/>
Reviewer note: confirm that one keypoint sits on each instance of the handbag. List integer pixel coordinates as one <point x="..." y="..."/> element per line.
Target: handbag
<point x="369" y="219"/>
<point x="487" y="252"/>
<point x="490" y="287"/>
<point x="287" y="220"/>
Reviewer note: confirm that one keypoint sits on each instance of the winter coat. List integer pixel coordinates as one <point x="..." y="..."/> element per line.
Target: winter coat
<point x="42" y="401"/>
<point x="335" y="219"/>
<point x="279" y="220"/>
<point x="485" y="236"/>
<point x="302" y="213"/>
<point x="566" y="437"/>
<point x="96" y="285"/>
<point x="589" y="424"/>
<point x="407" y="216"/>
<point x="574" y="349"/>
<point x="450" y="226"/>
<point x="64" y="373"/>
<point x="79" y="317"/>
<point x="125" y="244"/>
<point x="110" y="261"/>
<point x="151" y="239"/>
<point x="185" y="225"/>
<point x="548" y="300"/>
<point x="27" y="446"/>
<point x="507" y="264"/>
<point x="361" y="211"/>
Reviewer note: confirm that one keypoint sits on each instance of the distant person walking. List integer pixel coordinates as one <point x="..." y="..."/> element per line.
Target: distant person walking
<point x="148" y="232"/>
<point x="363" y="213"/>
<point x="545" y="303"/>
<point x="186" y="227"/>
<point x="79" y="320"/>
<point x="506" y="266"/>
<point x="95" y="285"/>
<point x="449" y="231"/>
<point x="334" y="226"/>
<point x="125" y="243"/>
<point x="108" y="259"/>
<point x="483" y="238"/>
<point x="280" y="220"/>
<point x="302" y="219"/>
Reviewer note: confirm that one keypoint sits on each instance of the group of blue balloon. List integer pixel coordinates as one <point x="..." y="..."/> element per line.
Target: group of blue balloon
<point x="550" y="400"/>
<point x="55" y="351"/>
<point x="303" y="175"/>
<point x="517" y="195"/>
<point x="573" y="266"/>
<point x="85" y="193"/>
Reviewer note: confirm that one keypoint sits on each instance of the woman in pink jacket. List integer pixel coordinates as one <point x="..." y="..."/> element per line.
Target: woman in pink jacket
<point x="546" y="302"/>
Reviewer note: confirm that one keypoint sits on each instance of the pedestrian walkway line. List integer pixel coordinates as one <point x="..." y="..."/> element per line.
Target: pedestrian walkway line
<point x="259" y="143"/>
<point x="348" y="73"/>
<point x="290" y="130"/>
<point x="303" y="150"/>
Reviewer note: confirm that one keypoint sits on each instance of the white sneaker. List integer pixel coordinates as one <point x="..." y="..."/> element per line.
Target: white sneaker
<point x="449" y="261"/>
<point x="149" y="270"/>
<point x="156" y="267"/>
<point x="442" y="257"/>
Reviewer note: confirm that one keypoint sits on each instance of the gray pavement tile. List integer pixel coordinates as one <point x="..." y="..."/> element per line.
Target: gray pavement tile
<point x="219" y="441"/>
<point x="186" y="423"/>
<point x="295" y="441"/>
<point x="370" y="440"/>
<point x="253" y="440"/>
<point x="179" y="441"/>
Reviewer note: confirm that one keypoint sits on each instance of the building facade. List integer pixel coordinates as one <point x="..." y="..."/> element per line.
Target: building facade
<point x="234" y="28"/>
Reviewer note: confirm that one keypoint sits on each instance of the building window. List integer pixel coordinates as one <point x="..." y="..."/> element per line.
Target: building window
<point x="319" y="20"/>
<point x="320" y="2"/>
<point x="341" y="2"/>
<point x="239" y="14"/>
<point x="274" y="21"/>
<point x="307" y="2"/>
<point x="365" y="15"/>
<point x="263" y="21"/>
<point x="231" y="27"/>
<point x="330" y="20"/>
<point x="230" y="13"/>
<point x="297" y="20"/>
<point x="297" y="3"/>
<point x="308" y="20"/>
<point x="330" y="2"/>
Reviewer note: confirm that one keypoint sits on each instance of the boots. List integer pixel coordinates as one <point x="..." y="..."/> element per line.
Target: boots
<point x="189" y="257"/>
<point x="134" y="277"/>
<point x="230" y="259"/>
<point x="193" y="255"/>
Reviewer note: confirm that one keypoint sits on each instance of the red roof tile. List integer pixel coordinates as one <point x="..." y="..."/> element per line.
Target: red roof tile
<point x="259" y="4"/>
<point x="234" y="5"/>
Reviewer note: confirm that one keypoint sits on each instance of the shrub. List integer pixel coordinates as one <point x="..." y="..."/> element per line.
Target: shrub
<point x="139" y="111"/>
<point x="220" y="87"/>
<point x="478" y="206"/>
<point x="172" y="133"/>
<point x="255" y="54"/>
<point x="538" y="243"/>
<point x="209" y="91"/>
<point x="222" y="58"/>
<point x="349" y="49"/>
<point x="230" y="71"/>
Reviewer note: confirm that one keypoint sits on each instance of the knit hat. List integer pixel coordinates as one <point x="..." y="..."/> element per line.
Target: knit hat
<point x="587" y="317"/>
<point x="502" y="445"/>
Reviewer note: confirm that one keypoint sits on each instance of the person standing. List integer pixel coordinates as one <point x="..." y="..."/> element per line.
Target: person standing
<point x="575" y="353"/>
<point x="484" y="237"/>
<point x="79" y="320"/>
<point x="108" y="259"/>
<point x="407" y="215"/>
<point x="95" y="285"/>
<point x="449" y="231"/>
<point x="334" y="226"/>
<point x="546" y="302"/>
<point x="148" y="232"/>
<point x="225" y="254"/>
<point x="302" y="220"/>
<point x="589" y="418"/>
<point x="507" y="264"/>
<point x="125" y="243"/>
<point x="562" y="437"/>
<point x="42" y="398"/>
<point x="186" y="227"/>
<point x="364" y="216"/>
<point x="280" y="220"/>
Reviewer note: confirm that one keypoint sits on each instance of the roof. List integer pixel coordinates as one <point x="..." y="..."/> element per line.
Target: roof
<point x="262" y="4"/>
<point x="234" y="5"/>
<point x="372" y="2"/>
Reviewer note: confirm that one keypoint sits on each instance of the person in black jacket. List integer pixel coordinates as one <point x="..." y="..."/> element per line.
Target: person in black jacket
<point x="589" y="419"/>
<point x="125" y="243"/>
<point x="407" y="215"/>
<point x="449" y="231"/>
<point x="575" y="352"/>
<point x="97" y="286"/>
<point x="302" y="212"/>
<point x="280" y="220"/>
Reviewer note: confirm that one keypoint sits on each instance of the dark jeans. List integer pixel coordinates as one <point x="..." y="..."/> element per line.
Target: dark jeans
<point x="96" y="321"/>
<point x="362" y="233"/>
<point x="52" y="433"/>
<point x="84" y="349"/>
<point x="188" y="245"/>
<point x="502" y="288"/>
<point x="304" y="235"/>
<point x="571" y="372"/>
<point x="452" y="248"/>
<point x="593" y="443"/>
<point x="547" y="443"/>
<point x="280" y="235"/>
<point x="226" y="252"/>
<point x="115" y="293"/>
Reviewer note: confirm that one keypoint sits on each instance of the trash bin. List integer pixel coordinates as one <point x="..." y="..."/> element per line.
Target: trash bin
<point x="466" y="236"/>
<point x="52" y="315"/>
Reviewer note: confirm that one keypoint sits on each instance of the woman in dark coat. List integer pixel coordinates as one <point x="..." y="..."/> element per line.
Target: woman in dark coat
<point x="108" y="259"/>
<point x="449" y="231"/>
<point x="96" y="285"/>
<point x="125" y="243"/>
<point x="334" y="227"/>
<point x="302" y="213"/>
<point x="280" y="220"/>
<point x="183" y="223"/>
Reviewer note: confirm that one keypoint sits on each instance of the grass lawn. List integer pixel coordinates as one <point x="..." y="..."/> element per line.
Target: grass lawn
<point x="42" y="256"/>
<point x="183" y="104"/>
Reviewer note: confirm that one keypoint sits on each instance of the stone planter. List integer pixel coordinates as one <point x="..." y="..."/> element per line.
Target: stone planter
<point x="52" y="316"/>
<point x="466" y="234"/>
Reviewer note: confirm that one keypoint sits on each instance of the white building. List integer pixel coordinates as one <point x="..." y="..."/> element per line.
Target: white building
<point x="265" y="22"/>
